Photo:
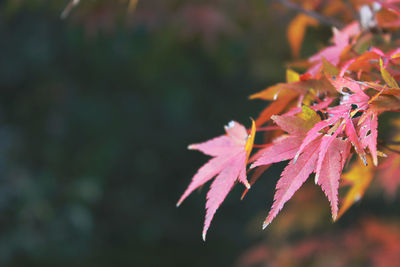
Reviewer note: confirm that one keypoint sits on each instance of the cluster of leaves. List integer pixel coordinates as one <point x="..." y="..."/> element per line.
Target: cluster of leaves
<point x="319" y="119"/>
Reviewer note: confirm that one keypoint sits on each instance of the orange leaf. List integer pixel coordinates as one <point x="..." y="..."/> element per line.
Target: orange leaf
<point x="274" y="108"/>
<point x="296" y="31"/>
<point x="272" y="93"/>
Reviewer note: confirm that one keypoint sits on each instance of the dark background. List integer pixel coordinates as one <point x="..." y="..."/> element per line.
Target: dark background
<point x="97" y="110"/>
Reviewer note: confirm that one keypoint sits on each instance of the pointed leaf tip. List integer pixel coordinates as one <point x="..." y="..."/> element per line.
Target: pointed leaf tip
<point x="316" y="178"/>
<point x="375" y="161"/>
<point x="204" y="235"/>
<point x="248" y="186"/>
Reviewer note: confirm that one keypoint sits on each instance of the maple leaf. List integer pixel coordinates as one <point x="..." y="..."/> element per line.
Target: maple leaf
<point x="325" y="155"/>
<point x="230" y="152"/>
<point x="341" y="40"/>
<point x="296" y="31"/>
<point x="329" y="171"/>
<point x="293" y="176"/>
<point x="297" y="172"/>
<point x="286" y="147"/>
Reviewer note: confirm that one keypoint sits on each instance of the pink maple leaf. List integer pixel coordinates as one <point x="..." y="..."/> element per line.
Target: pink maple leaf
<point x="330" y="170"/>
<point x="292" y="178"/>
<point x="230" y="154"/>
<point x="324" y="154"/>
<point x="341" y="39"/>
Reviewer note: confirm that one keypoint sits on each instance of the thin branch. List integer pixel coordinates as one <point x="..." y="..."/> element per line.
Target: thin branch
<point x="321" y="18"/>
<point x="68" y="8"/>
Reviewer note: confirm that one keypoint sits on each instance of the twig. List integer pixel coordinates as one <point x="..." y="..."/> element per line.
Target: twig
<point x="321" y="18"/>
<point x="68" y="8"/>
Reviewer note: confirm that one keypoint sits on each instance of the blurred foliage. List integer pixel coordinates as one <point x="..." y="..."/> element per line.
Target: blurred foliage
<point x="96" y="112"/>
<point x="302" y="238"/>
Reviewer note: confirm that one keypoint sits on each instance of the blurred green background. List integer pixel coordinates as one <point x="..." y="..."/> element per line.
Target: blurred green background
<point x="96" y="112"/>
